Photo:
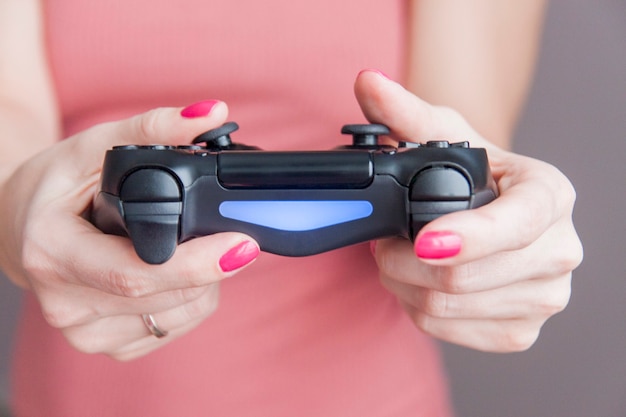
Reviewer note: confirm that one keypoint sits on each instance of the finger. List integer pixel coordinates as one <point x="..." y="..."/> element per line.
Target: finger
<point x="149" y="344"/>
<point x="544" y="258"/>
<point x="501" y="336"/>
<point x="409" y="118"/>
<point x="115" y="333"/>
<point x="166" y="126"/>
<point x="195" y="263"/>
<point x="534" y="196"/>
<point x="538" y="298"/>
<point x="89" y="304"/>
<point x="110" y="264"/>
<point x="97" y="287"/>
<point x="84" y="152"/>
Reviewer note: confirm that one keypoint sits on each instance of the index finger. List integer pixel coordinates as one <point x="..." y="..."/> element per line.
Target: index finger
<point x="533" y="196"/>
<point x="110" y="264"/>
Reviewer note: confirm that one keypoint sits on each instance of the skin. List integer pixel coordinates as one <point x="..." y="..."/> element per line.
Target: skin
<point x="513" y="270"/>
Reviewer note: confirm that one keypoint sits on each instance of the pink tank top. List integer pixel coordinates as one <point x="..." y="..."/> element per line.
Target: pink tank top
<point x="314" y="336"/>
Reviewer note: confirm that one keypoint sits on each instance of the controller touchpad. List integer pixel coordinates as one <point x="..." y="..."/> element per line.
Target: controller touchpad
<point x="295" y="170"/>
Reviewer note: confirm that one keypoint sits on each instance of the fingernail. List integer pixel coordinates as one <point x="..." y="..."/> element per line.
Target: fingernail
<point x="438" y="245"/>
<point x="199" y="109"/>
<point x="379" y="72"/>
<point x="239" y="256"/>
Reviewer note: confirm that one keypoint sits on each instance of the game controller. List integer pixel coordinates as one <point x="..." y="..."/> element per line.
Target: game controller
<point x="292" y="203"/>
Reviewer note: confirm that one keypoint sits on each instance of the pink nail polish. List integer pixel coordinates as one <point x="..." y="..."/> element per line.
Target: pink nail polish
<point x="199" y="109"/>
<point x="239" y="256"/>
<point x="379" y="72"/>
<point x="438" y="245"/>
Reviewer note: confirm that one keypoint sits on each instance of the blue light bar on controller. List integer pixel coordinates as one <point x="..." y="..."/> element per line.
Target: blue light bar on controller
<point x="296" y="216"/>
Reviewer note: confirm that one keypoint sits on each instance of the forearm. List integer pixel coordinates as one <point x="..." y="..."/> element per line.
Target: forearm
<point x="477" y="56"/>
<point x="28" y="113"/>
<point x="23" y="133"/>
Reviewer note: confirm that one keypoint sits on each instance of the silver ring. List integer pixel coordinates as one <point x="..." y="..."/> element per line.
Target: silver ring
<point x="152" y="326"/>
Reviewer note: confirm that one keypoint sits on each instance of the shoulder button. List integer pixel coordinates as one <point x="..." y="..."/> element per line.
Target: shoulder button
<point x="440" y="183"/>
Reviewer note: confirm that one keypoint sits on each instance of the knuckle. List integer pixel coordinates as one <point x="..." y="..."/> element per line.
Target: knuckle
<point x="84" y="341"/>
<point x="559" y="183"/>
<point x="529" y="226"/>
<point x="556" y="300"/>
<point x="551" y="309"/>
<point x="61" y="309"/>
<point x="83" y="344"/>
<point x="204" y="306"/>
<point x="121" y="284"/>
<point x="434" y="303"/>
<point x="570" y="193"/>
<point x="458" y="279"/>
<point x="568" y="255"/>
<point x="514" y="340"/>
<point x="55" y="317"/>
<point x="148" y="124"/>
<point x="573" y="256"/>
<point x="422" y="321"/>
<point x="61" y="315"/>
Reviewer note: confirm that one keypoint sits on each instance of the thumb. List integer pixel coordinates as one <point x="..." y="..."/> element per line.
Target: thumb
<point x="165" y="126"/>
<point x="171" y="125"/>
<point x="410" y="118"/>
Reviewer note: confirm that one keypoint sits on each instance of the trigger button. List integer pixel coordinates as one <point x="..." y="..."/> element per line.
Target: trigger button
<point x="440" y="183"/>
<point x="438" y="144"/>
<point x="464" y="144"/>
<point x="152" y="204"/>
<point x="150" y="185"/>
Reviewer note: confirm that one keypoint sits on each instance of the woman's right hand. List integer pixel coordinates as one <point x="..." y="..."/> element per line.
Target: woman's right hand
<point x="92" y="286"/>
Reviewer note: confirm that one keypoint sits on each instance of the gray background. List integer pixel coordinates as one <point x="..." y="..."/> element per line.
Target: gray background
<point x="576" y="119"/>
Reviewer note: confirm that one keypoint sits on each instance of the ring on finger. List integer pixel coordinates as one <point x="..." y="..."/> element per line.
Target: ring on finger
<point x="152" y="326"/>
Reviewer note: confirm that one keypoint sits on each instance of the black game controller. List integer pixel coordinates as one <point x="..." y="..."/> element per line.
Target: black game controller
<point x="291" y="203"/>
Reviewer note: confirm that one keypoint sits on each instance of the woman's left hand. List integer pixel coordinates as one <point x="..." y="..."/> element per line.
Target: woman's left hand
<point x="487" y="278"/>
